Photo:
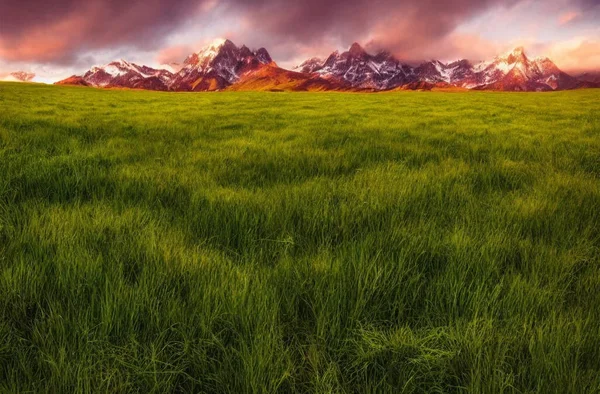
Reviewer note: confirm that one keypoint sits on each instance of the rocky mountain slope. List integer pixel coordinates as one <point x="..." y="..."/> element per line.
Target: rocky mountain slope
<point x="273" y="78"/>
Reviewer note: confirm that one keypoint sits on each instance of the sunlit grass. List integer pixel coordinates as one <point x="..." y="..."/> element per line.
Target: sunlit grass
<point x="299" y="242"/>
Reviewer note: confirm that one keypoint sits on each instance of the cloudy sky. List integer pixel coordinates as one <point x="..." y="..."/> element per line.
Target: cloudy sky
<point x="57" y="38"/>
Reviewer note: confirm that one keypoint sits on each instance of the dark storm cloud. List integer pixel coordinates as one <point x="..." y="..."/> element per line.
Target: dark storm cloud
<point x="589" y="3"/>
<point x="58" y="31"/>
<point x="311" y="19"/>
<point x="406" y="28"/>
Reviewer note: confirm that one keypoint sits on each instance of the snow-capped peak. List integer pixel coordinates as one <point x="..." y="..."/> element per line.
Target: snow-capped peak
<point x="505" y="63"/>
<point x="514" y="56"/>
<point x="518" y="51"/>
<point x="212" y="49"/>
<point x="541" y="59"/>
<point x="217" y="42"/>
<point x="115" y="69"/>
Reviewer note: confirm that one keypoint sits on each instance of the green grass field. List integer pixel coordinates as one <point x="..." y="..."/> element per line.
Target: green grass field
<point x="299" y="242"/>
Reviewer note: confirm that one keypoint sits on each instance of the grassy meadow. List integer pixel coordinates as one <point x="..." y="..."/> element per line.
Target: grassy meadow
<point x="299" y="242"/>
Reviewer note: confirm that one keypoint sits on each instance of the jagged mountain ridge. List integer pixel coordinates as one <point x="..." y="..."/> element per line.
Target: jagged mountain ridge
<point x="513" y="71"/>
<point x="222" y="65"/>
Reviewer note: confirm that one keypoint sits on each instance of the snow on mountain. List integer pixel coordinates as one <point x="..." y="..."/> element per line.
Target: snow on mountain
<point x="383" y="71"/>
<point x="173" y="68"/>
<point x="462" y="73"/>
<point x="123" y="74"/>
<point x="437" y="72"/>
<point x="359" y="69"/>
<point x="309" y="66"/>
<point x="515" y="71"/>
<point x="218" y="65"/>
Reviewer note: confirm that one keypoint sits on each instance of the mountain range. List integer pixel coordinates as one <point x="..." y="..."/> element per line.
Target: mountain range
<point x="593" y="77"/>
<point x="223" y="66"/>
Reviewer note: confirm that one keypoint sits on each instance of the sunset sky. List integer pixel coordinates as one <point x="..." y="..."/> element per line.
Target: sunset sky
<point x="57" y="38"/>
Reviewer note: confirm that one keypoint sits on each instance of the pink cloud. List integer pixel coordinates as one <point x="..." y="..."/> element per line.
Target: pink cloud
<point x="178" y="53"/>
<point x="45" y="43"/>
<point x="174" y="54"/>
<point x="568" y="17"/>
<point x="69" y="27"/>
<point x="579" y="54"/>
<point x="413" y="30"/>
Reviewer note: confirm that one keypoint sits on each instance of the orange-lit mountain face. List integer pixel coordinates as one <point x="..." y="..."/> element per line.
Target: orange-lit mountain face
<point x="224" y="66"/>
<point x="73" y="80"/>
<point x="273" y="78"/>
